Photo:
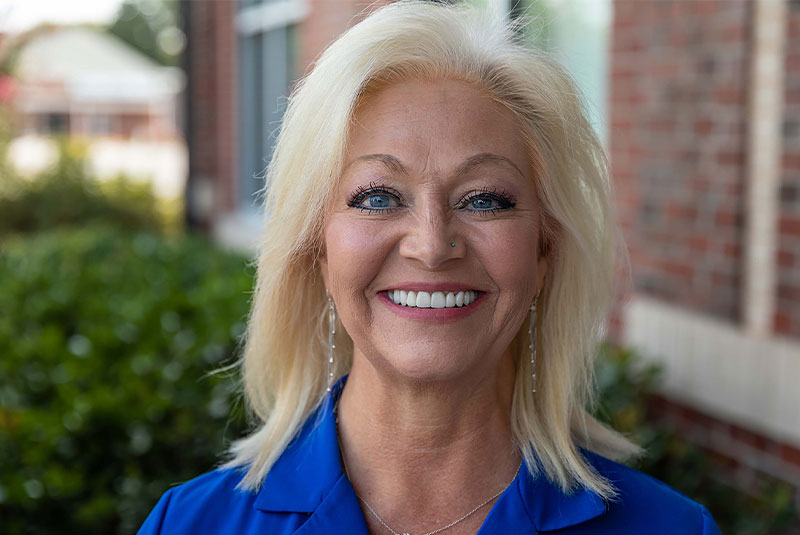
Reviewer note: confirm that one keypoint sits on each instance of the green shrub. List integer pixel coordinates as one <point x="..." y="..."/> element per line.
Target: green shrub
<point x="108" y="340"/>
<point x="65" y="196"/>
<point x="627" y="386"/>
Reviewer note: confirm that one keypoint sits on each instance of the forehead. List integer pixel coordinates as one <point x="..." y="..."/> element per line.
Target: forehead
<point x="434" y="125"/>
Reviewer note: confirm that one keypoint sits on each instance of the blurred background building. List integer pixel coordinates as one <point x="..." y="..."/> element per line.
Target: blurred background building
<point x="699" y="103"/>
<point x="85" y="82"/>
<point x="82" y="81"/>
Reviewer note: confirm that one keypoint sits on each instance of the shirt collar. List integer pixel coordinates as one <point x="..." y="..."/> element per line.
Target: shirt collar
<point x="550" y="509"/>
<point x="309" y="467"/>
<point x="309" y="472"/>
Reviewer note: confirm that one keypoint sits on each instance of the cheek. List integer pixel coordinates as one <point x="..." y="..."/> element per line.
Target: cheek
<point x="509" y="253"/>
<point x="354" y="253"/>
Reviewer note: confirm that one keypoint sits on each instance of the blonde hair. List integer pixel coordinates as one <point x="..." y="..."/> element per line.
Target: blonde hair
<point x="285" y="360"/>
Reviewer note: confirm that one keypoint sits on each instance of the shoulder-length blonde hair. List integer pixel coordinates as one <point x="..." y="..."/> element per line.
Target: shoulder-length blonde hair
<point x="285" y="367"/>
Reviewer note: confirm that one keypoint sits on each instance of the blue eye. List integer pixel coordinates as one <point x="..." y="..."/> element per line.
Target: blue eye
<point x="487" y="201"/>
<point x="483" y="204"/>
<point x="378" y="201"/>
<point x="374" y="199"/>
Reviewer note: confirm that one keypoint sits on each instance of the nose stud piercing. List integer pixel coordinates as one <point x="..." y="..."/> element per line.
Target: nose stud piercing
<point x="452" y="244"/>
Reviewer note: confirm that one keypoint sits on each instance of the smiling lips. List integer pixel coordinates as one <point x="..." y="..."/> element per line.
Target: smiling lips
<point x="421" y="299"/>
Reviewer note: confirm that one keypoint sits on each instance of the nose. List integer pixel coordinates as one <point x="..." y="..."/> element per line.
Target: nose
<point x="431" y="239"/>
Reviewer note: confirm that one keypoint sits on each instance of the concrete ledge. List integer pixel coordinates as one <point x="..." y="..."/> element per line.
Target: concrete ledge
<point x="717" y="368"/>
<point x="239" y="231"/>
<point x="262" y="18"/>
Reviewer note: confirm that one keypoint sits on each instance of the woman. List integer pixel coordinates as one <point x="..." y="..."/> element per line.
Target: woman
<point x="440" y="240"/>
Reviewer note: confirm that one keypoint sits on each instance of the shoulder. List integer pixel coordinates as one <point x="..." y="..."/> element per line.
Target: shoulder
<point x="211" y="486"/>
<point x="204" y="501"/>
<point x="646" y="505"/>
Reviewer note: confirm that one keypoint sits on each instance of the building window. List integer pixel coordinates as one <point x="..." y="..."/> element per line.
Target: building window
<point x="266" y="34"/>
<point x="576" y="33"/>
<point x="54" y="123"/>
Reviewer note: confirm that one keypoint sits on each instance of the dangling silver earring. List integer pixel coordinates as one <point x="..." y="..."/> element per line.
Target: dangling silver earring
<point x="331" y="336"/>
<point x="532" y="345"/>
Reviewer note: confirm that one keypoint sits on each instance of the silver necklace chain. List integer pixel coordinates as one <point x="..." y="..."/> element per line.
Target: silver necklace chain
<point x="448" y="526"/>
<point x="434" y="532"/>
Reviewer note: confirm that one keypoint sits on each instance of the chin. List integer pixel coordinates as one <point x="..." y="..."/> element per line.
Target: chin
<point x="426" y="365"/>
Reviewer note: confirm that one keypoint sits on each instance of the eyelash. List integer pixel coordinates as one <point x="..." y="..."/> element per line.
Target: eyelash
<point x="362" y="192"/>
<point x="503" y="198"/>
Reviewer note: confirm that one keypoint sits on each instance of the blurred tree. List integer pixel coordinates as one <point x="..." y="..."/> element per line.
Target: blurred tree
<point x="151" y="27"/>
<point x="107" y="395"/>
<point x="65" y="196"/>
<point x="536" y="18"/>
<point x="7" y="173"/>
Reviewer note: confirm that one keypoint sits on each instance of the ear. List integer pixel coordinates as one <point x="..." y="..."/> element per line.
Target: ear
<point x="323" y="269"/>
<point x="542" y="267"/>
<point x="322" y="260"/>
<point x="548" y="243"/>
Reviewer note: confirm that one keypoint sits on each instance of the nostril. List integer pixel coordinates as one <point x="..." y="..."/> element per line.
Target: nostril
<point x="431" y="248"/>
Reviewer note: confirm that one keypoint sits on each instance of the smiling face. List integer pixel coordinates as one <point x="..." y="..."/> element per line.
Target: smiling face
<point x="437" y="198"/>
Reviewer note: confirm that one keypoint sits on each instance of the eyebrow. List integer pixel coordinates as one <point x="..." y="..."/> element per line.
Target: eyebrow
<point x="387" y="160"/>
<point x="396" y="166"/>
<point x="486" y="157"/>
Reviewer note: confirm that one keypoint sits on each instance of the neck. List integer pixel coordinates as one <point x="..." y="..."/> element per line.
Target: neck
<point x="421" y="453"/>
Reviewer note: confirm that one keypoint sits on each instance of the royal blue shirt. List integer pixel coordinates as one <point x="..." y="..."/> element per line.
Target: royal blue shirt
<point x="306" y="492"/>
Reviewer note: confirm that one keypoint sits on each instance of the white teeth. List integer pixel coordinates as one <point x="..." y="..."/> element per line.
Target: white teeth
<point x="431" y="299"/>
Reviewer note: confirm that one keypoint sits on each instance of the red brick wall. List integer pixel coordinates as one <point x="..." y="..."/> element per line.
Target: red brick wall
<point x="748" y="453"/>
<point x="677" y="114"/>
<point x="678" y="138"/>
<point x="212" y="86"/>
<point x="327" y="19"/>
<point x="787" y="317"/>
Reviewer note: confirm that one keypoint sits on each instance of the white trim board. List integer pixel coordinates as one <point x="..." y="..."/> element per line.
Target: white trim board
<point x="239" y="231"/>
<point x="262" y="18"/>
<point x="765" y="117"/>
<point x="717" y="368"/>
